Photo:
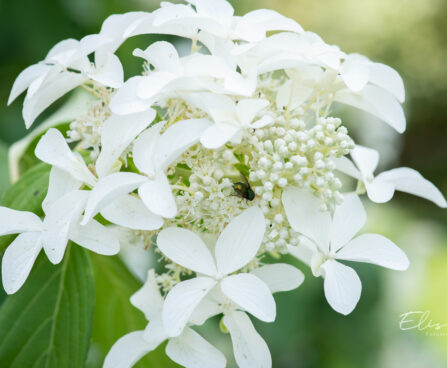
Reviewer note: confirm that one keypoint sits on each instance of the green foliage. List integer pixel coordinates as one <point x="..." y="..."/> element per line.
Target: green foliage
<point x="4" y="174"/>
<point x="27" y="195"/>
<point x="48" y="322"/>
<point x="114" y="315"/>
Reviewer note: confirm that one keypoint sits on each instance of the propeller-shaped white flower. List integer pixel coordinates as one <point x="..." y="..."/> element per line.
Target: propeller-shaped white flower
<point x="373" y="87"/>
<point x="381" y="188"/>
<point x="230" y="117"/>
<point x="110" y="193"/>
<point x="188" y="349"/>
<point x="330" y="239"/>
<point x="154" y="152"/>
<point x="66" y="67"/>
<point x="60" y="225"/>
<point x="250" y="349"/>
<point x="237" y="245"/>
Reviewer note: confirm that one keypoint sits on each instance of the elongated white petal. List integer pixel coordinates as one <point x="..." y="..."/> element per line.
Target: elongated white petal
<point x="342" y="286"/>
<point x="157" y="196"/>
<point x="250" y="349"/>
<point x="117" y="134"/>
<point x="192" y="351"/>
<point x="14" y="222"/>
<point x="410" y="181"/>
<point x="96" y="238"/>
<point x="60" y="219"/>
<point x="346" y="166"/>
<point x="19" y="259"/>
<point x="53" y="149"/>
<point x="240" y="240"/>
<point x="130" y="212"/>
<point x="153" y="84"/>
<point x="366" y="160"/>
<point x="217" y="135"/>
<point x="60" y="184"/>
<point x="251" y="294"/>
<point x="206" y="309"/>
<point x="348" y="219"/>
<point x="108" y="70"/>
<point x="379" y="191"/>
<point x="148" y="299"/>
<point x="279" y="276"/>
<point x="25" y="78"/>
<point x="377" y="102"/>
<point x="376" y="249"/>
<point x="48" y="94"/>
<point x="126" y="101"/>
<point x="355" y="72"/>
<point x="163" y="56"/>
<point x="155" y="332"/>
<point x="187" y="249"/>
<point x="145" y="150"/>
<point x="181" y="302"/>
<point x="108" y="189"/>
<point x="178" y="138"/>
<point x="304" y="215"/>
<point x="387" y="78"/>
<point x="247" y="109"/>
<point x="127" y="351"/>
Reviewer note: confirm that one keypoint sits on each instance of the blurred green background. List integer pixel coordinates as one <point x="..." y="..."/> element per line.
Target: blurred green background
<point x="411" y="36"/>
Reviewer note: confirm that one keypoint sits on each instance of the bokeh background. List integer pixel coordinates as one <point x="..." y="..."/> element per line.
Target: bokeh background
<point x="409" y="35"/>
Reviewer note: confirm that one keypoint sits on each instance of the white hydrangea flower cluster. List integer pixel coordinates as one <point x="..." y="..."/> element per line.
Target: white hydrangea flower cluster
<point x="223" y="155"/>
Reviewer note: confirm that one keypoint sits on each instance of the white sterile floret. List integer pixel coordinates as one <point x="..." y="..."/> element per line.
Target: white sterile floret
<point x="331" y="238"/>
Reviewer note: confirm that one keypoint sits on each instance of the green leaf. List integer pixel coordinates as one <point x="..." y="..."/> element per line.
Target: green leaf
<point x="114" y="315"/>
<point x="27" y="195"/>
<point x="243" y="169"/>
<point x="47" y="323"/>
<point x="4" y="171"/>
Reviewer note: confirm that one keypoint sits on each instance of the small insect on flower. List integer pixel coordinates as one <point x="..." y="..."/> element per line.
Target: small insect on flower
<point x="243" y="190"/>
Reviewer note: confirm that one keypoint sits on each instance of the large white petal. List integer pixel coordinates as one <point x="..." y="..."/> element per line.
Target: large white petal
<point x="379" y="191"/>
<point x="181" y="302"/>
<point x="250" y="349"/>
<point x="60" y="219"/>
<point x="108" y="69"/>
<point x="178" y="138"/>
<point x="145" y="150"/>
<point x="152" y="85"/>
<point x="148" y="299"/>
<point x="207" y="308"/>
<point x="117" y="134"/>
<point x="126" y="101"/>
<point x="251" y="294"/>
<point x="127" y="351"/>
<point x="14" y="222"/>
<point x="342" y="286"/>
<point x="53" y="149"/>
<point x="346" y="166"/>
<point x="130" y="212"/>
<point x="304" y="215"/>
<point x="218" y="134"/>
<point x="61" y="183"/>
<point x="376" y="249"/>
<point x="192" y="351"/>
<point x="348" y="219"/>
<point x="108" y="189"/>
<point x="95" y="237"/>
<point x="187" y="249"/>
<point x="247" y="109"/>
<point x="19" y="259"/>
<point x="279" y="276"/>
<point x="163" y="56"/>
<point x="387" y="78"/>
<point x="157" y="196"/>
<point x="366" y="159"/>
<point x="410" y="181"/>
<point x="355" y="72"/>
<point x="240" y="241"/>
<point x="25" y="78"/>
<point x="377" y="102"/>
<point x="44" y="97"/>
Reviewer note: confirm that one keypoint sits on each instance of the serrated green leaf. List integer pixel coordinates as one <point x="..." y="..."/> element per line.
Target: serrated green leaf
<point x="27" y="195"/>
<point x="47" y="323"/>
<point x="114" y="315"/>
